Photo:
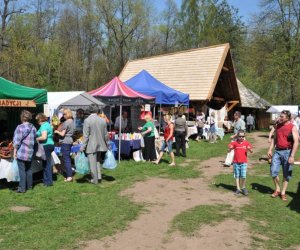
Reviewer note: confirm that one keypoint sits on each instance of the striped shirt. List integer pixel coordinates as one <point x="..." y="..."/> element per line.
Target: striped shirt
<point x="24" y="139"/>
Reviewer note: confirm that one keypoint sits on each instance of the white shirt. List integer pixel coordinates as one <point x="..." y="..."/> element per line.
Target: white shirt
<point x="123" y="124"/>
<point x="250" y="120"/>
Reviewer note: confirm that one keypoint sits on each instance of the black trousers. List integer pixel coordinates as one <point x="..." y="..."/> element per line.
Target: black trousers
<point x="149" y="152"/>
<point x="180" y="143"/>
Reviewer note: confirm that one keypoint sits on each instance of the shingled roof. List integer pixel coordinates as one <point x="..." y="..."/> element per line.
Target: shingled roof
<point x="250" y="99"/>
<point x="197" y="72"/>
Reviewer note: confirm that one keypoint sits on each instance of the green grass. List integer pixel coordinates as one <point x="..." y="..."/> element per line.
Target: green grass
<point x="66" y="214"/>
<point x="272" y="218"/>
<point x="274" y="224"/>
<point x="191" y="220"/>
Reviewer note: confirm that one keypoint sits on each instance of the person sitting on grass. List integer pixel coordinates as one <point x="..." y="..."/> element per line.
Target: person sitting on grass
<point x="240" y="147"/>
<point x="168" y="140"/>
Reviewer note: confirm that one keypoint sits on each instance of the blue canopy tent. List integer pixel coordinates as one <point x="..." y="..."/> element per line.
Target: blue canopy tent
<point x="146" y="84"/>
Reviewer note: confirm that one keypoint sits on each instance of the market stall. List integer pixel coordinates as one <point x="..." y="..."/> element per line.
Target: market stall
<point x="57" y="98"/>
<point x="81" y="101"/>
<point x="116" y="92"/>
<point x="13" y="99"/>
<point x="146" y="84"/>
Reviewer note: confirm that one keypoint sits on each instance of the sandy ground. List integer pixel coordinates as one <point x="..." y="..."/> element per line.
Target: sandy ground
<point x="166" y="198"/>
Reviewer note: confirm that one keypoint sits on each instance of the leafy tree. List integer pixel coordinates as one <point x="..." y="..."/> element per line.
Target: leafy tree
<point x="272" y="63"/>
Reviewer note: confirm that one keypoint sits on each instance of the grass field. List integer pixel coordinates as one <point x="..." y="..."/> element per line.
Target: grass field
<point x="66" y="214"/>
<point x="274" y="224"/>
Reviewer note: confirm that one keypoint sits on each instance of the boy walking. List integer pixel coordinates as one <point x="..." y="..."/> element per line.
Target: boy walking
<point x="240" y="147"/>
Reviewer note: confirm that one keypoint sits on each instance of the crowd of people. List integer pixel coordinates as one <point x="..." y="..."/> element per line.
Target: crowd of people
<point x="27" y="140"/>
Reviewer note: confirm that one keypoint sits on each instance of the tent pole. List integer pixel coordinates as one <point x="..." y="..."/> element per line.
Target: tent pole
<point x="110" y="118"/>
<point x="159" y="119"/>
<point x="120" y="126"/>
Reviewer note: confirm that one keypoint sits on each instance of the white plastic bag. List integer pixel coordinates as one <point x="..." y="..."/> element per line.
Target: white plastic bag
<point x="229" y="158"/>
<point x="55" y="159"/>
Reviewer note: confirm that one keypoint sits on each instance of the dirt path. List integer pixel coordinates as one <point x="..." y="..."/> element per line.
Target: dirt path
<point x="167" y="198"/>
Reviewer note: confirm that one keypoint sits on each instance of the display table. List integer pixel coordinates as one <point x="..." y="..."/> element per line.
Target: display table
<point x="191" y="131"/>
<point x="126" y="146"/>
<point x="6" y="164"/>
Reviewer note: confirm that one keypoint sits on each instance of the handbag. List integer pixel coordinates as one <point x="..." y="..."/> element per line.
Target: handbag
<point x="40" y="151"/>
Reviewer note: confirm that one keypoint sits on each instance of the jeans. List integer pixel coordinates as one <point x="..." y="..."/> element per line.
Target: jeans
<point x="66" y="151"/>
<point x="280" y="158"/>
<point x="47" y="167"/>
<point x="200" y="132"/>
<point x="180" y="143"/>
<point x="167" y="144"/>
<point x="249" y="128"/>
<point x="25" y="173"/>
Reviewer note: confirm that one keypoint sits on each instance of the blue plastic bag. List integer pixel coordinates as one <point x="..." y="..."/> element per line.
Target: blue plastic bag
<point x="109" y="160"/>
<point x="15" y="171"/>
<point x="82" y="163"/>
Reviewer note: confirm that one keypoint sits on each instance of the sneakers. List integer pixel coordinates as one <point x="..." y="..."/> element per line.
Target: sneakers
<point x="172" y="164"/>
<point x="244" y="191"/>
<point x="238" y="192"/>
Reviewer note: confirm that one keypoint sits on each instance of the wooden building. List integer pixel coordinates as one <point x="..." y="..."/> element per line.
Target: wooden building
<point x="206" y="74"/>
<point x="254" y="104"/>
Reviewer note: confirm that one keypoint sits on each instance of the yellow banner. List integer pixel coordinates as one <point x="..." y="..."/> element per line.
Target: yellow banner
<point x="17" y="103"/>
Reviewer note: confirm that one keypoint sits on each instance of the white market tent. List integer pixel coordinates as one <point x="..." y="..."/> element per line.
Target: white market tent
<point x="57" y="98"/>
<point x="278" y="108"/>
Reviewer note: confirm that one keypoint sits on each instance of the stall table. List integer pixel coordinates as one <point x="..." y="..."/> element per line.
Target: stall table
<point x="127" y="146"/>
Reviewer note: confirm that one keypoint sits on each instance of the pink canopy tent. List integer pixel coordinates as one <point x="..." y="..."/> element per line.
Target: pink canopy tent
<point x="117" y="93"/>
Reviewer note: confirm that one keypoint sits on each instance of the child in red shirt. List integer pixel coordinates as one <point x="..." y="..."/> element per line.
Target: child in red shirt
<point x="240" y="147"/>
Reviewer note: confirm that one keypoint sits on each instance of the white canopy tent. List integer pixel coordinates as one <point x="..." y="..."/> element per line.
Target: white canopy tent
<point x="57" y="98"/>
<point x="278" y="108"/>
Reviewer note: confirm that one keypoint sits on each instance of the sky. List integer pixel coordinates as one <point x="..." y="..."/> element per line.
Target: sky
<point x="246" y="7"/>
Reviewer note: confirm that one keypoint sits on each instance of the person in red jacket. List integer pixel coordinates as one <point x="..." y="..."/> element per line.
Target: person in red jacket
<point x="240" y="147"/>
<point x="286" y="144"/>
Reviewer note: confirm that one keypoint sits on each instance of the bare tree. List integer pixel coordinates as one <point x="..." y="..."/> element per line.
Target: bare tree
<point x="7" y="10"/>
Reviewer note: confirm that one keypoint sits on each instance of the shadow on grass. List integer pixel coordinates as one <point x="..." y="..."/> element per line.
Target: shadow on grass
<point x="88" y="177"/>
<point x="295" y="202"/>
<point x="226" y="186"/>
<point x="262" y="188"/>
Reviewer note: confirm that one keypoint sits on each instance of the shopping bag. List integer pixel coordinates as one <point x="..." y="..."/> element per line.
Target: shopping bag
<point x="55" y="159"/>
<point x="138" y="156"/>
<point x="40" y="151"/>
<point x="82" y="164"/>
<point x="229" y="158"/>
<point x="15" y="171"/>
<point x="109" y="160"/>
<point x="156" y="134"/>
